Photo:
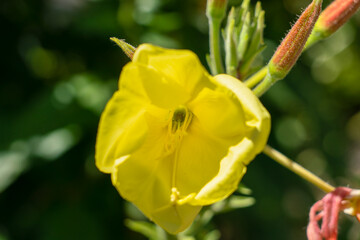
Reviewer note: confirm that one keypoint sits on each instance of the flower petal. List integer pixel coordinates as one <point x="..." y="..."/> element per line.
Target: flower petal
<point x="197" y="166"/>
<point x="147" y="167"/>
<point x="219" y="112"/>
<point x="144" y="178"/>
<point x="175" y="218"/>
<point x="149" y="85"/>
<point x="235" y="149"/>
<point x="257" y="118"/>
<point x="232" y="169"/>
<point x="121" y="130"/>
<point x="181" y="66"/>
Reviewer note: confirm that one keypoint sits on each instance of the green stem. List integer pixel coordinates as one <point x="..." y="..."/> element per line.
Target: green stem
<point x="256" y="78"/>
<point x="314" y="37"/>
<point x="267" y="82"/>
<point x="297" y="169"/>
<point x="264" y="85"/>
<point x="215" y="56"/>
<point x="170" y="236"/>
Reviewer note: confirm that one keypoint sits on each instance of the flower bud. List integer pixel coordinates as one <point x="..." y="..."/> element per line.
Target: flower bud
<point x="291" y="47"/>
<point x="335" y="15"/>
<point x="127" y="48"/>
<point x="216" y="8"/>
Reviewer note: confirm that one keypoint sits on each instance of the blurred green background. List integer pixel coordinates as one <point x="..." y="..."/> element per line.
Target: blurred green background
<point x="58" y="69"/>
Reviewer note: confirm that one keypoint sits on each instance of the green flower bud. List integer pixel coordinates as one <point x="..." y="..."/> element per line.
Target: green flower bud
<point x="127" y="48"/>
<point x="216" y="9"/>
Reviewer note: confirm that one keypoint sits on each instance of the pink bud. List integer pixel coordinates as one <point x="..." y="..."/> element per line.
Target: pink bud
<point x="291" y="47"/>
<point x="336" y="14"/>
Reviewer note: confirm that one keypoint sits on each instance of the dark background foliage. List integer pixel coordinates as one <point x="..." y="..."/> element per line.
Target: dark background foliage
<point x="58" y="69"/>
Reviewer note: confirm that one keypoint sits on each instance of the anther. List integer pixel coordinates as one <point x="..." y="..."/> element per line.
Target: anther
<point x="174" y="195"/>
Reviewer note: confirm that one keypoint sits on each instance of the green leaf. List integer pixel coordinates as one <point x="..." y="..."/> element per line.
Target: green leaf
<point x="244" y="38"/>
<point x="240" y="202"/>
<point x="145" y="228"/>
<point x="231" y="203"/>
<point x="213" y="235"/>
<point x="243" y="189"/>
<point x="230" y="48"/>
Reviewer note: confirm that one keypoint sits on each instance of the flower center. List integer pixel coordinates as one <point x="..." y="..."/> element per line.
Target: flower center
<point x="180" y="121"/>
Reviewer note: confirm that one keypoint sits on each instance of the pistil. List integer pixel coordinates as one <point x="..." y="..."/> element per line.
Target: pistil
<point x="180" y="120"/>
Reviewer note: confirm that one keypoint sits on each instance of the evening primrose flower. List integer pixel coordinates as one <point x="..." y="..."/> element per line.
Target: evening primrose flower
<point x="327" y="211"/>
<point x="175" y="138"/>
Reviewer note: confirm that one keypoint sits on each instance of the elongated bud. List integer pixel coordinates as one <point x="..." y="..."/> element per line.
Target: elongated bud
<point x="216" y="9"/>
<point x="127" y="48"/>
<point x="230" y="47"/>
<point x="335" y="15"/>
<point x="291" y="47"/>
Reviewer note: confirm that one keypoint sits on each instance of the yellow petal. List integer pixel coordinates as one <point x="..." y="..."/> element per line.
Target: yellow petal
<point x="219" y="112"/>
<point x="199" y="161"/>
<point x="144" y="178"/>
<point x="181" y="66"/>
<point x="175" y="218"/>
<point x="257" y="118"/>
<point x="149" y="85"/>
<point x="232" y="168"/>
<point x="145" y="169"/>
<point x="228" y="154"/>
<point x="121" y="130"/>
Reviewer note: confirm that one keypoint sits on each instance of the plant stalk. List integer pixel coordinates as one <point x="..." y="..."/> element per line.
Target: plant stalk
<point x="215" y="55"/>
<point x="297" y="169"/>
<point x="256" y="78"/>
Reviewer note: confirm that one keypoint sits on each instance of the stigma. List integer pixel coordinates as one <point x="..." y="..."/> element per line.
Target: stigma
<point x="179" y="122"/>
<point x="181" y="119"/>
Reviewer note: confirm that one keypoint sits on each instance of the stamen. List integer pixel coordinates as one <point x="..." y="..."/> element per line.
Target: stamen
<point x="178" y="124"/>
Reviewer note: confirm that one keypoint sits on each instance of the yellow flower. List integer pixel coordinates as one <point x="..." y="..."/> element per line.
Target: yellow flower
<point x="175" y="138"/>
